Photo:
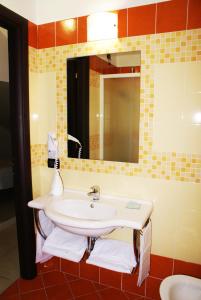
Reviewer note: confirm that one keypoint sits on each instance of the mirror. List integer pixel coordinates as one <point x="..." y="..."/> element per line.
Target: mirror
<point x="103" y="103"/>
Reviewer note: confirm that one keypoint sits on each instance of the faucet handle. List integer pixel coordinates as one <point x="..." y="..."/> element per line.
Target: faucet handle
<point x="95" y="192"/>
<point x="95" y="189"/>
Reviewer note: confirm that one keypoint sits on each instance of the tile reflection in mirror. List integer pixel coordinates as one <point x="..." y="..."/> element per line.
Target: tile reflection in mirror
<point x="103" y="95"/>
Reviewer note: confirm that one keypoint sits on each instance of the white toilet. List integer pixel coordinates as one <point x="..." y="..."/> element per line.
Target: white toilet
<point x="180" y="287"/>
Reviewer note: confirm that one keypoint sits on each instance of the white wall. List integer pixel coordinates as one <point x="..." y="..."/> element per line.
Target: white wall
<point x="50" y="10"/>
<point x="178" y="107"/>
<point x="46" y="11"/>
<point x="25" y="8"/>
<point x="42" y="95"/>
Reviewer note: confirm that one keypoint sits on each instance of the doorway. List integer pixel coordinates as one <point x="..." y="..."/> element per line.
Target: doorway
<point x="16" y="183"/>
<point x="9" y="261"/>
<point x="119" y="117"/>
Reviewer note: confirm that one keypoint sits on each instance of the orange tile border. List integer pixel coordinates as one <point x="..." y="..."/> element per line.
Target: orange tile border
<point x="66" y="32"/>
<point x="141" y="20"/>
<point x="123" y="23"/>
<point x="194" y="14"/>
<point x="82" y="29"/>
<point x="171" y="16"/>
<point x="46" y="35"/>
<point x="32" y="35"/>
<point x="162" y="17"/>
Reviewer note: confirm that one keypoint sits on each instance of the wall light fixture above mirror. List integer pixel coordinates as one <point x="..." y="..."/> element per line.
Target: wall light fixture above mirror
<point x="101" y="26"/>
<point x="103" y="95"/>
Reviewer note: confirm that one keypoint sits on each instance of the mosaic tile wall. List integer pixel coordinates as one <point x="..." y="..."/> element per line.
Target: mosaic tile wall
<point x="94" y="128"/>
<point x="180" y="46"/>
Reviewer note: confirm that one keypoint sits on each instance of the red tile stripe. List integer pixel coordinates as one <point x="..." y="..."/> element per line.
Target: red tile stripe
<point x="32" y="35"/>
<point x="101" y="66"/>
<point x="148" y="19"/>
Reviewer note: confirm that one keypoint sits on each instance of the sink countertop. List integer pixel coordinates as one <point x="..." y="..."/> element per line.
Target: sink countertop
<point x="124" y="217"/>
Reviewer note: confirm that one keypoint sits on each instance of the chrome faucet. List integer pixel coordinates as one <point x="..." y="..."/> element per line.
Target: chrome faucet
<point x="94" y="192"/>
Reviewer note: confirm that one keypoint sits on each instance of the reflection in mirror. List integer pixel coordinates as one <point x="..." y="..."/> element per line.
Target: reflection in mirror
<point x="103" y="106"/>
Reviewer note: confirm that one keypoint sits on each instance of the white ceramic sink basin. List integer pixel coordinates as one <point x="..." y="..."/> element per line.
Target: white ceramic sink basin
<point x="74" y="212"/>
<point x="85" y="210"/>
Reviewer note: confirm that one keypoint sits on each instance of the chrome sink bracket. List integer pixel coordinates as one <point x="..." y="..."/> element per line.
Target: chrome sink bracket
<point x="136" y="243"/>
<point x="141" y="230"/>
<point x="91" y="241"/>
<point x="135" y="248"/>
<point x="37" y="223"/>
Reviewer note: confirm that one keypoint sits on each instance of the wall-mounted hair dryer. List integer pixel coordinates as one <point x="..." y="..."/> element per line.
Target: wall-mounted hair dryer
<point x="53" y="151"/>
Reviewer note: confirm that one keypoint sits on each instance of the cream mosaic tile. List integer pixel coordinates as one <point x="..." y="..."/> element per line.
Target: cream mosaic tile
<point x="181" y="46"/>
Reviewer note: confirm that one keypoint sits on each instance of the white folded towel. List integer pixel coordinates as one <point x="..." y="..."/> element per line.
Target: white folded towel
<point x="47" y="227"/>
<point x="145" y="253"/>
<point x="65" y="244"/>
<point x="114" y="255"/>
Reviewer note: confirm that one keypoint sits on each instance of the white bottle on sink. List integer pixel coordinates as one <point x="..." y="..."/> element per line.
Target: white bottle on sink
<point x="57" y="187"/>
<point x="57" y="184"/>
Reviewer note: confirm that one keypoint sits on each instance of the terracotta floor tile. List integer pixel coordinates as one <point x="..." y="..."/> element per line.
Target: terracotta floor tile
<point x="133" y="297"/>
<point x="10" y="297"/>
<point x="70" y="267"/>
<point x="129" y="284"/>
<point x="152" y="288"/>
<point x="70" y="277"/>
<point x="59" y="292"/>
<point x="11" y="290"/>
<point x="93" y="296"/>
<point x="110" y="278"/>
<point x="50" y="265"/>
<point x="99" y="286"/>
<point x="81" y="287"/>
<point x="35" y="295"/>
<point x="89" y="272"/>
<point x="111" y="293"/>
<point x="30" y="285"/>
<point x="53" y="278"/>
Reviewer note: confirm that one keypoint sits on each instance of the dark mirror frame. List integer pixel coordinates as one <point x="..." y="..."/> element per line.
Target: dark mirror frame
<point x="17" y="28"/>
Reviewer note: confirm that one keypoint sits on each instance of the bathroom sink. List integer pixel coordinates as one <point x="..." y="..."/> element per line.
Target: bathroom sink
<point x="85" y="210"/>
<point x="75" y="212"/>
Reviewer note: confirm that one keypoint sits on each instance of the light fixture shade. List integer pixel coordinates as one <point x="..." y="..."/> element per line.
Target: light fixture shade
<point x="102" y="26"/>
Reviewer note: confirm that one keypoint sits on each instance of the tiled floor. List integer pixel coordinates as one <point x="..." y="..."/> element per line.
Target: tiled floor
<point x="55" y="285"/>
<point x="9" y="265"/>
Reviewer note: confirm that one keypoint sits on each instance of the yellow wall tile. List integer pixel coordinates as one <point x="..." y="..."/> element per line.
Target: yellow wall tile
<point x="168" y="175"/>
